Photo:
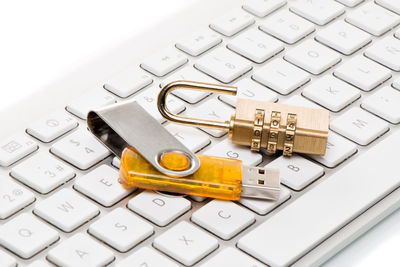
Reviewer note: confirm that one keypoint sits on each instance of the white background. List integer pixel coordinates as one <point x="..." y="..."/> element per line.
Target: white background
<point x="43" y="39"/>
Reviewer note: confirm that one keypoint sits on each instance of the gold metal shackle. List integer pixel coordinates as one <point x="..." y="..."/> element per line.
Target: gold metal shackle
<point x="197" y="86"/>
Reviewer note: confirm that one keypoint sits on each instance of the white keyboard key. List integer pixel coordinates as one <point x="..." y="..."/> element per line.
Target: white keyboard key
<point x="226" y="149"/>
<point x="199" y="43"/>
<point x="320" y="212"/>
<point x="13" y="197"/>
<point x="93" y="99"/>
<point x="350" y="3"/>
<point x="121" y="229"/>
<point x="390" y="4"/>
<point x="15" y="148"/>
<point x="212" y="110"/>
<point x="188" y="73"/>
<point x="338" y="149"/>
<point x="312" y="56"/>
<point x="372" y="18"/>
<point x="262" y="206"/>
<point x="25" y="235"/>
<point x="164" y="62"/>
<point x="51" y="127"/>
<point x="396" y="83"/>
<point x="298" y="100"/>
<point x="185" y="243"/>
<point x="232" y="23"/>
<point x="223" y="65"/>
<point x="102" y="185"/>
<point x="80" y="149"/>
<point x="362" y="73"/>
<point x="296" y="172"/>
<point x="127" y="82"/>
<point x="386" y="51"/>
<point x="287" y="26"/>
<point x="192" y="138"/>
<point x="42" y="172"/>
<point x="281" y="76"/>
<point x="343" y="37"/>
<point x="148" y="100"/>
<point x="66" y="210"/>
<point x="40" y="263"/>
<point x="317" y="11"/>
<point x="359" y="126"/>
<point x="331" y="93"/>
<point x="261" y="8"/>
<point x="80" y="250"/>
<point x="385" y="104"/>
<point x="255" y="45"/>
<point x="223" y="218"/>
<point x="6" y="260"/>
<point x="146" y="257"/>
<point x="231" y="257"/>
<point x="249" y="89"/>
<point x="116" y="162"/>
<point x="157" y="208"/>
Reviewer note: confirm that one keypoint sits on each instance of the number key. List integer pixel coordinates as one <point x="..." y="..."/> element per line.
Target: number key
<point x="13" y="197"/>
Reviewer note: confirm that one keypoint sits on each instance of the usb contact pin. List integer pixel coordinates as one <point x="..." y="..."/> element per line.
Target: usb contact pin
<point x="261" y="183"/>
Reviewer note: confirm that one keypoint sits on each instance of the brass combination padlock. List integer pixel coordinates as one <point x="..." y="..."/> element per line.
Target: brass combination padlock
<point x="260" y="124"/>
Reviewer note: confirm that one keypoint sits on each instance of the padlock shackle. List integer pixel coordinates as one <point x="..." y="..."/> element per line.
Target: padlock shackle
<point x="198" y="86"/>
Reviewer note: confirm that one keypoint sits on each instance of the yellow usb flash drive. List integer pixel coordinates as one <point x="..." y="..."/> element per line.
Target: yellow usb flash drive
<point x="152" y="158"/>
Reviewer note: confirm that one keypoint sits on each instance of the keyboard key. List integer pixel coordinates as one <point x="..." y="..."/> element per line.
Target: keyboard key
<point x="373" y="18"/>
<point x="212" y="110"/>
<point x="188" y="73"/>
<point x="223" y="65"/>
<point x="51" y="127"/>
<point x="362" y="73"/>
<point x="385" y="104"/>
<point x="6" y="260"/>
<point x="13" y="197"/>
<point x="343" y="37"/>
<point x="146" y="257"/>
<point x="249" y="89"/>
<point x="80" y="149"/>
<point x="40" y="263"/>
<point x="338" y="149"/>
<point x="66" y="210"/>
<point x="331" y="93"/>
<point x="116" y="162"/>
<point x="164" y="62"/>
<point x="15" y="148"/>
<point x="281" y="76"/>
<point x="80" y="250"/>
<point x="390" y="4"/>
<point x="121" y="229"/>
<point x="199" y="43"/>
<point x="148" y="100"/>
<point x="192" y="138"/>
<point x="296" y="172"/>
<point x="185" y="243"/>
<point x="386" y="51"/>
<point x="25" y="235"/>
<point x="359" y="126"/>
<point x="231" y="257"/>
<point x="93" y="99"/>
<point x="312" y="56"/>
<point x="158" y="208"/>
<point x="350" y="3"/>
<point x="321" y="212"/>
<point x="223" y="218"/>
<point x="298" y="100"/>
<point x="102" y="185"/>
<point x="261" y="8"/>
<point x="127" y="82"/>
<point x="42" y="172"/>
<point x="287" y="26"/>
<point x="396" y="83"/>
<point x="232" y="23"/>
<point x="255" y="45"/>
<point x="317" y="11"/>
<point x="226" y="149"/>
<point x="262" y="206"/>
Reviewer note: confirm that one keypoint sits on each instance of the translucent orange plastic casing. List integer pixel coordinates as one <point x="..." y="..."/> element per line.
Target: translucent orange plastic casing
<point x="217" y="177"/>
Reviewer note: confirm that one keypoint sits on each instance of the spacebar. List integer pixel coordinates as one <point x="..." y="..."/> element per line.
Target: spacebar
<point x="330" y="205"/>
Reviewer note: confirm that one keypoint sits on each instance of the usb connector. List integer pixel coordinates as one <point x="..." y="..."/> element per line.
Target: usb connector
<point x="260" y="183"/>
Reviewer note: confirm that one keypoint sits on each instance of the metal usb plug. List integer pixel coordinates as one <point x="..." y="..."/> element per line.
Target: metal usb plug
<point x="261" y="183"/>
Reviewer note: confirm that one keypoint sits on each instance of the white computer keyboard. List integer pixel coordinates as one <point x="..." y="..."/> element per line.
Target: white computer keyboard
<point x="61" y="203"/>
